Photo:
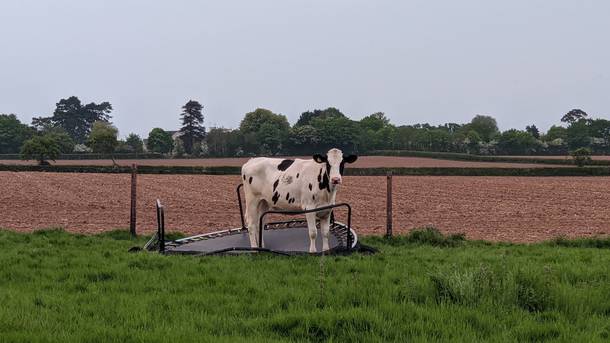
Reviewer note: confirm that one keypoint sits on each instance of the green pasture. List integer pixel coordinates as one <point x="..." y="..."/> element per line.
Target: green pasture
<point x="61" y="287"/>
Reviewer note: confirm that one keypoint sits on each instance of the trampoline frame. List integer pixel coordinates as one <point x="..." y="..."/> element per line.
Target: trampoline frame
<point x="335" y="227"/>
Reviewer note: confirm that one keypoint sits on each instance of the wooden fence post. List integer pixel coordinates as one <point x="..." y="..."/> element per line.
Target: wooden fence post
<point x="389" y="206"/>
<point x="134" y="195"/>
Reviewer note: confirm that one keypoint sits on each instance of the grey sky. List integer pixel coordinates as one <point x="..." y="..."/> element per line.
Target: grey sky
<point x="522" y="61"/>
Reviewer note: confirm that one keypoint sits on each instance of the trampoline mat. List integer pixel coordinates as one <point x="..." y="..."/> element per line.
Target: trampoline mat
<point x="290" y="239"/>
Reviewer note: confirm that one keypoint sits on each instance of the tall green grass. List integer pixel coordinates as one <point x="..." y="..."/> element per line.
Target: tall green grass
<point x="56" y="286"/>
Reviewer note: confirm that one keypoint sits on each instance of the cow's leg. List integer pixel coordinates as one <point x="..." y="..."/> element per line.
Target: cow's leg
<point x="325" y="228"/>
<point x="262" y="208"/>
<point x="252" y="217"/>
<point x="313" y="232"/>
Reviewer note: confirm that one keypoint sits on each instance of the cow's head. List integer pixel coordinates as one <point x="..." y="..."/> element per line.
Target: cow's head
<point x="335" y="162"/>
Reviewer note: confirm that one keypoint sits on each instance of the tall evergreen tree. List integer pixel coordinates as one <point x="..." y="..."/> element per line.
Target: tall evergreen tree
<point x="533" y="130"/>
<point x="192" y="125"/>
<point x="75" y="118"/>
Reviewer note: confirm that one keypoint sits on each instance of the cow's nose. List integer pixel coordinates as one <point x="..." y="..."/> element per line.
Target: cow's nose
<point x="336" y="180"/>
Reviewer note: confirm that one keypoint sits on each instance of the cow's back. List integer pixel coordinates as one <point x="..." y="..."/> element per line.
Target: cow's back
<point x="259" y="172"/>
<point x="284" y="183"/>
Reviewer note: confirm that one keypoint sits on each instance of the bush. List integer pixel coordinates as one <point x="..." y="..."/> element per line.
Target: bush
<point x="532" y="292"/>
<point x="468" y="287"/>
<point x="41" y="148"/>
<point x="581" y="156"/>
<point x="428" y="236"/>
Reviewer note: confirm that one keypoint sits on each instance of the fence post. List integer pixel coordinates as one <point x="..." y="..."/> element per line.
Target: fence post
<point x="134" y="195"/>
<point x="389" y="206"/>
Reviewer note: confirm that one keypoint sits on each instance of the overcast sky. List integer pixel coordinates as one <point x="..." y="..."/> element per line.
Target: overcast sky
<point x="521" y="61"/>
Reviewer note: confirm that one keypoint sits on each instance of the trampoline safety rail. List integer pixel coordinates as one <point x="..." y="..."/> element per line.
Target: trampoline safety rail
<point x="159" y="238"/>
<point x="318" y="209"/>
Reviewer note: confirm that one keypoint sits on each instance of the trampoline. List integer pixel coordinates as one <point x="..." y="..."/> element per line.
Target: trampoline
<point x="281" y="237"/>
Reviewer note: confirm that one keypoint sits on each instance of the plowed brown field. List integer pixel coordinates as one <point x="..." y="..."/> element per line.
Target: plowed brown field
<point x="519" y="209"/>
<point x="363" y="162"/>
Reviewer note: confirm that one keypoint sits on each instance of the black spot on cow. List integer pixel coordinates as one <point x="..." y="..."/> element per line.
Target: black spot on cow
<point x="310" y="186"/>
<point x="324" y="183"/>
<point x="320" y="175"/>
<point x="313" y="197"/>
<point x="287" y="196"/>
<point x="292" y="200"/>
<point x="297" y="175"/>
<point x="250" y="181"/>
<point x="244" y="177"/>
<point x="275" y="198"/>
<point x="277" y="182"/>
<point x="285" y="164"/>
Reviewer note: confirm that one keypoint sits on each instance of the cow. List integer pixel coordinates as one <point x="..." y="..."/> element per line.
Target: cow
<point x="293" y="184"/>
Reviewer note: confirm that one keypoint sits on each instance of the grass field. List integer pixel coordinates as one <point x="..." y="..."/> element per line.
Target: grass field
<point x="56" y="286"/>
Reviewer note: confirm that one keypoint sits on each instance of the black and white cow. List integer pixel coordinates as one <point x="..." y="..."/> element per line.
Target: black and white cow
<point x="273" y="183"/>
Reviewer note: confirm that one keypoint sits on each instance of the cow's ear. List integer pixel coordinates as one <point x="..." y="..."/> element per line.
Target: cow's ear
<point x="350" y="159"/>
<point x="319" y="158"/>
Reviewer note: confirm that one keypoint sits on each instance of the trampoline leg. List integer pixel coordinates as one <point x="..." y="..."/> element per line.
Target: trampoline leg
<point x="325" y="228"/>
<point x="313" y="231"/>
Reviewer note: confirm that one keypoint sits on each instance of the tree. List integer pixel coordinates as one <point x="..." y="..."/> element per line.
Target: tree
<point x="41" y="148"/>
<point x="485" y="126"/>
<point x="160" y="141"/>
<point x="556" y="132"/>
<point x="178" y="150"/>
<point x="66" y="143"/>
<point x="573" y="116"/>
<point x="75" y="118"/>
<point x="224" y="142"/>
<point x="304" y="139"/>
<point x="192" y="129"/>
<point x="516" y="142"/>
<point x="12" y="134"/>
<point x="134" y="143"/>
<point x="375" y="121"/>
<point x="338" y="132"/>
<point x="103" y="139"/>
<point x="578" y="135"/>
<point x="533" y="130"/>
<point x="472" y="142"/>
<point x="600" y="129"/>
<point x="307" y="117"/>
<point x="264" y="131"/>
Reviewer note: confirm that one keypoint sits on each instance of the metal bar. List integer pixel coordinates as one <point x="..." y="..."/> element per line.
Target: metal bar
<point x="160" y="226"/>
<point x="241" y="209"/>
<point x="318" y="209"/>
<point x="158" y="206"/>
<point x="349" y="227"/>
<point x="162" y="241"/>
<point x="134" y="196"/>
<point x="389" y="206"/>
<point x="199" y="253"/>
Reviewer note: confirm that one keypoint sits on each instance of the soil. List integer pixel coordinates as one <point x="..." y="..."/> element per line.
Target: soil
<point x="363" y="162"/>
<point x="517" y="209"/>
<point x="567" y="158"/>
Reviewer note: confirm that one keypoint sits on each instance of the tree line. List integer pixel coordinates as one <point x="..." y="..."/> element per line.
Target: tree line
<point x="81" y="128"/>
